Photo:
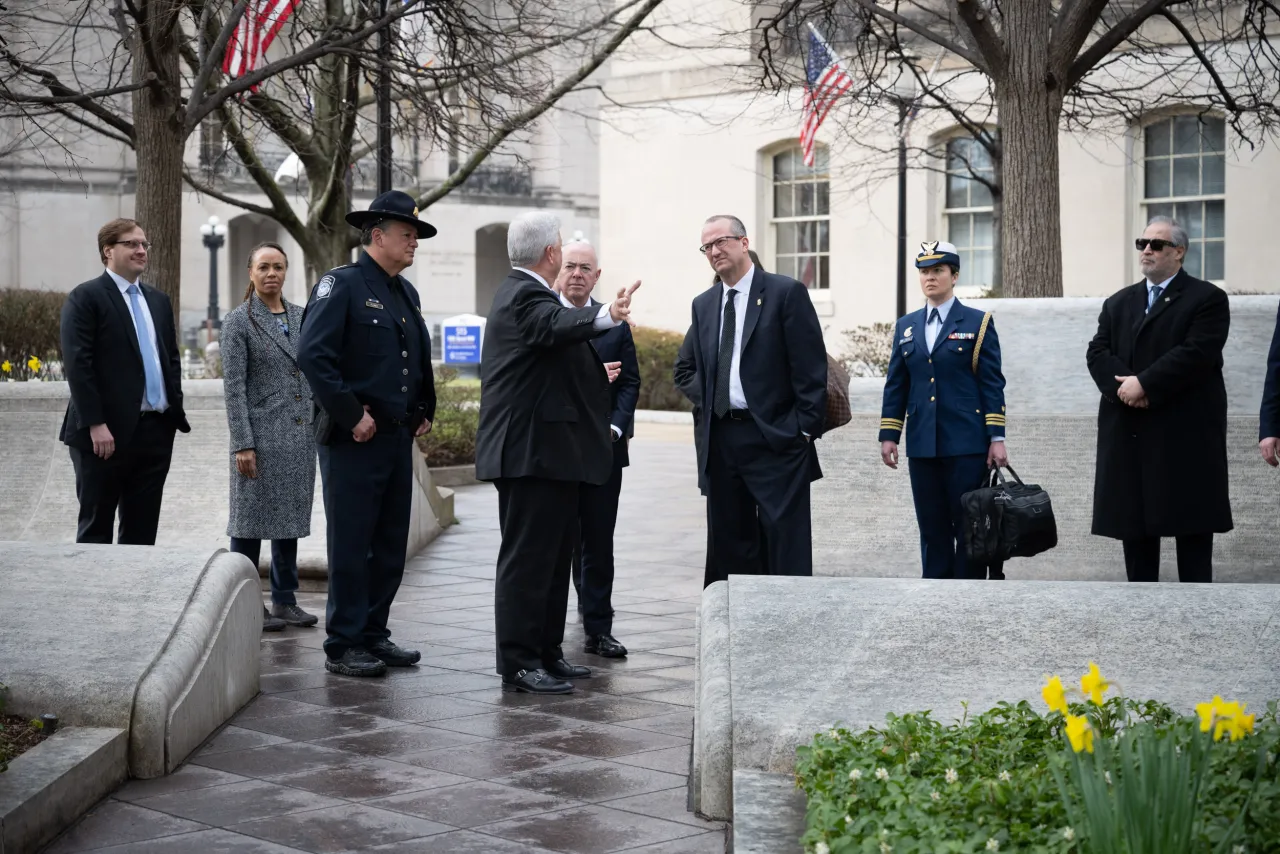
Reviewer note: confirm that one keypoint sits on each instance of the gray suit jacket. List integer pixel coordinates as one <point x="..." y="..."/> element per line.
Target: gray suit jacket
<point x="269" y="411"/>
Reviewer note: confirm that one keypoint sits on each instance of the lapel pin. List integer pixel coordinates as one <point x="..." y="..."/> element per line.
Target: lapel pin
<point x="759" y="301"/>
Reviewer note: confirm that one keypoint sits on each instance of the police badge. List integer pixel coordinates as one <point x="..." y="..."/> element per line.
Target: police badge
<point x="906" y="333"/>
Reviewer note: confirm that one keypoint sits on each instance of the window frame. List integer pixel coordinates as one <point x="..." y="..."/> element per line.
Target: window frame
<point x="965" y="288"/>
<point x="1145" y="203"/>
<point x="771" y="183"/>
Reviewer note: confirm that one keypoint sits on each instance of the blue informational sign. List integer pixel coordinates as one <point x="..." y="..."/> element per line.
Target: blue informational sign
<point x="462" y="345"/>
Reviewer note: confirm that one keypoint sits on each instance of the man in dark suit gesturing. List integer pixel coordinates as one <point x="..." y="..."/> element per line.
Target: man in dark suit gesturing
<point x="1162" y="420"/>
<point x="120" y="354"/>
<point x="544" y="430"/>
<point x="762" y="369"/>
<point x="598" y="505"/>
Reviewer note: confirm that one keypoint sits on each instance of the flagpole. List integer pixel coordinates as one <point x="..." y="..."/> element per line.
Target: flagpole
<point x="384" y="104"/>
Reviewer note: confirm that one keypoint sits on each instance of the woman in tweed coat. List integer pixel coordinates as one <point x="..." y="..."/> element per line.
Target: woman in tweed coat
<point x="273" y="453"/>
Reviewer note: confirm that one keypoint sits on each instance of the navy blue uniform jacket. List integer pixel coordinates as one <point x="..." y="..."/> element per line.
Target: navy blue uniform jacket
<point x="352" y="347"/>
<point x="1269" y="417"/>
<point x="949" y="409"/>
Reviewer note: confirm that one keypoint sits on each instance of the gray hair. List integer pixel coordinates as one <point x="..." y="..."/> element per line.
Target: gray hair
<point x="1177" y="232"/>
<point x="366" y="233"/>
<point x="736" y="228"/>
<point x="529" y="235"/>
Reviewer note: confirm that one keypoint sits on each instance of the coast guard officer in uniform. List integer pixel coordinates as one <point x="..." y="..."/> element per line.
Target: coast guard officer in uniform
<point x="366" y="352"/>
<point x="945" y="381"/>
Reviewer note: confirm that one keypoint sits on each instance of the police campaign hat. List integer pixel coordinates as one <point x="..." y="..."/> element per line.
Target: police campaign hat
<point x="934" y="252"/>
<point x="393" y="205"/>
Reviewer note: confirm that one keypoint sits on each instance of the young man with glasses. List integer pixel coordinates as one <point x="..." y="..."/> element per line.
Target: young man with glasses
<point x="759" y="377"/>
<point x="120" y="356"/>
<point x="1162" y="420"/>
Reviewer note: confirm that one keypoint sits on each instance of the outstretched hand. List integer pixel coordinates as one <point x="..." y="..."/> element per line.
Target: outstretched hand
<point x="620" y="308"/>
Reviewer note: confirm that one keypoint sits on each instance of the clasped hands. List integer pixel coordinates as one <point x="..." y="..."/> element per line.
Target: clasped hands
<point x="365" y="430"/>
<point x="1131" y="393"/>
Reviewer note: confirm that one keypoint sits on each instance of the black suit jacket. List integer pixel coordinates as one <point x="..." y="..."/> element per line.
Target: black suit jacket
<point x="1269" y="414"/>
<point x="783" y="363"/>
<point x="544" y="398"/>
<point x="617" y="345"/>
<point x="103" y="363"/>
<point x="1162" y="471"/>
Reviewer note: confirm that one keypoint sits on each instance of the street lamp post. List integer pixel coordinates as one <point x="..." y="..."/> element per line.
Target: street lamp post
<point x="213" y="235"/>
<point x="904" y="94"/>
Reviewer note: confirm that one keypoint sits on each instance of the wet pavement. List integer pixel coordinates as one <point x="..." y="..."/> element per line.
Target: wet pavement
<point x="438" y="758"/>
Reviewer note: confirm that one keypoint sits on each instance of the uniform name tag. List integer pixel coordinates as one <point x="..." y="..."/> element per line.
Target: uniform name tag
<point x="961" y="336"/>
<point x="372" y="303"/>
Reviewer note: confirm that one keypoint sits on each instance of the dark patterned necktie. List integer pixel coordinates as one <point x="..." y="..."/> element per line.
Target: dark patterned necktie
<point x="728" y="330"/>
<point x="1155" y="295"/>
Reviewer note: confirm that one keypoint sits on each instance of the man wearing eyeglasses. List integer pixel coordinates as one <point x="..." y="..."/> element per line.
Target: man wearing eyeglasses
<point x="760" y="378"/>
<point x="1162" y="420"/>
<point x="120" y="356"/>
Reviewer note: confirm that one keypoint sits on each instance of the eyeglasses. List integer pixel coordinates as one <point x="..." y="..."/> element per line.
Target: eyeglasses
<point x="1156" y="244"/>
<point x="716" y="244"/>
<point x="133" y="244"/>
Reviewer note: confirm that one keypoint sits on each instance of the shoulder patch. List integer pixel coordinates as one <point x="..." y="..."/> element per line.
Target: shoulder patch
<point x="325" y="287"/>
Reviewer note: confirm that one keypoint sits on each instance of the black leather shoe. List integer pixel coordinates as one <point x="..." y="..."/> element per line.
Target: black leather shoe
<point x="562" y="669"/>
<point x="270" y="623"/>
<point x="355" y="662"/>
<point x="605" y="646"/>
<point x="294" y="616"/>
<point x="394" y="656"/>
<point x="535" y="682"/>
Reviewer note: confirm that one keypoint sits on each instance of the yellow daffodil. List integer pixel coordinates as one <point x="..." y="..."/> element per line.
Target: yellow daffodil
<point x="1079" y="733"/>
<point x="1055" y="697"/>
<point x="33" y="363"/>
<point x="1224" y="718"/>
<point x="6" y="367"/>
<point x="1208" y="711"/>
<point x="1094" y="685"/>
<point x="1241" y="725"/>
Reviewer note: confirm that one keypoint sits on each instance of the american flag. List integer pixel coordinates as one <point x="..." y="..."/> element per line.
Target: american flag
<point x="827" y="80"/>
<point x="257" y="29"/>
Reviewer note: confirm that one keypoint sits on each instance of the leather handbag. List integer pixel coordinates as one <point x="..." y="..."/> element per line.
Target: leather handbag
<point x="838" y="411"/>
<point x="1005" y="519"/>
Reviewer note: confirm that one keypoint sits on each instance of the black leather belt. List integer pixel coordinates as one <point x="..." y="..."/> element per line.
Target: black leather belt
<point x="737" y="415"/>
<point x="151" y="413"/>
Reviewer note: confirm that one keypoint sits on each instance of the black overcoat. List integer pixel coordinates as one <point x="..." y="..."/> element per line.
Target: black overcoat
<point x="1162" y="471"/>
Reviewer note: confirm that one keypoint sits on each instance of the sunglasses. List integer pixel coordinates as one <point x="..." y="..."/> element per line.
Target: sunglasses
<point x="1156" y="244"/>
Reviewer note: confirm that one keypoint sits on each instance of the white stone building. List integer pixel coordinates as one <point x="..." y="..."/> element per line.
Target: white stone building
<point x="684" y="137"/>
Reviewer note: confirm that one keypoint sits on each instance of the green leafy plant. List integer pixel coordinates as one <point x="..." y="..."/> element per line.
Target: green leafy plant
<point x="452" y="440"/>
<point x="656" y="351"/>
<point x="30" y="324"/>
<point x="1009" y="779"/>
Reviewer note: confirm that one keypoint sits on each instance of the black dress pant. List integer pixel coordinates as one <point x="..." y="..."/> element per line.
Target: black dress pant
<point x="537" y="518"/>
<point x="1195" y="558"/>
<point x="368" y="490"/>
<point x="757" y="503"/>
<point x="593" y="552"/>
<point x="130" y="480"/>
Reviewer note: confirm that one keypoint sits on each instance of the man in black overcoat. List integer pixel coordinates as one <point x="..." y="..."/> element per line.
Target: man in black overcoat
<point x="1162" y="421"/>
<point x="544" y="431"/>
<point x="761" y="370"/>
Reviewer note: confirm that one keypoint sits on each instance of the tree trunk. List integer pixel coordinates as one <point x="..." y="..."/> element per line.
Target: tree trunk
<point x="330" y="244"/>
<point x="160" y="136"/>
<point x="1029" y="101"/>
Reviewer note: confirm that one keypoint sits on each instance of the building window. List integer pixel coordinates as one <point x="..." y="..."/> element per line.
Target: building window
<point x="801" y="217"/>
<point x="1184" y="177"/>
<point x="969" y="212"/>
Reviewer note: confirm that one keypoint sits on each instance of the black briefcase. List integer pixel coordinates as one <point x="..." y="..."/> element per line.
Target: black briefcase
<point x="1004" y="519"/>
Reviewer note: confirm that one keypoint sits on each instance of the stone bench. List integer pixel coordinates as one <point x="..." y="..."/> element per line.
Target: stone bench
<point x="781" y="659"/>
<point x="38" y="500"/>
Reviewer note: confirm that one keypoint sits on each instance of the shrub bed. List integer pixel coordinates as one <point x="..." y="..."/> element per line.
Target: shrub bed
<point x="452" y="440"/>
<point x="29" y="332"/>
<point x="1113" y="775"/>
<point x="656" y="351"/>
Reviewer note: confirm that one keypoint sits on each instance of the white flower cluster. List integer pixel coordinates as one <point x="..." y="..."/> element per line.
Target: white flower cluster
<point x="952" y="776"/>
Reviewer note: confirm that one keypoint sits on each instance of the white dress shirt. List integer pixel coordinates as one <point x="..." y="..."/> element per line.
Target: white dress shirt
<point x="617" y="431"/>
<point x="603" y="320"/>
<point x="1164" y="286"/>
<point x="933" y="327"/>
<point x="737" y="397"/>
<point x="151" y="332"/>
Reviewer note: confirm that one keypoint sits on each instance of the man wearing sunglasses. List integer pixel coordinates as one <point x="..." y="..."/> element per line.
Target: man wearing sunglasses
<point x="120" y="355"/>
<point x="1162" y="420"/>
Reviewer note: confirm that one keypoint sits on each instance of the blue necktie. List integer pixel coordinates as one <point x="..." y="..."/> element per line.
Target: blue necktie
<point x="934" y="317"/>
<point x="155" y="385"/>
<point x="1155" y="295"/>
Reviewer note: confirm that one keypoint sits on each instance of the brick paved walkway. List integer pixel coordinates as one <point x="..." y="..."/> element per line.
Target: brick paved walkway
<point x="438" y="758"/>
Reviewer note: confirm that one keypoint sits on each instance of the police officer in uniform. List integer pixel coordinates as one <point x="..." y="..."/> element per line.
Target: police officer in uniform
<point x="366" y="351"/>
<point x="953" y="406"/>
